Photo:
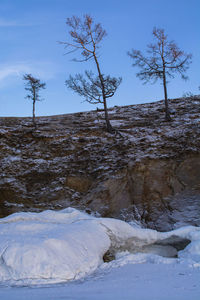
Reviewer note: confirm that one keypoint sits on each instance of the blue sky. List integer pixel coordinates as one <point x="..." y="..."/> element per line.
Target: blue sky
<point x="30" y="31"/>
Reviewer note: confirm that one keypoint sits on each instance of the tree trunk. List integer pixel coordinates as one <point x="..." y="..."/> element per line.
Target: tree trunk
<point x="109" y="127"/>
<point x="34" y="123"/>
<point x="167" y="113"/>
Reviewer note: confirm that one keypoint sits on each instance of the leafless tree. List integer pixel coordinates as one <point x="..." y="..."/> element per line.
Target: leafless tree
<point x="33" y="85"/>
<point x="86" y="37"/>
<point x="163" y="60"/>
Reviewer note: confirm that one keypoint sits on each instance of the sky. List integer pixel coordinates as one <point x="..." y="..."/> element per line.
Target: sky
<point x="31" y="31"/>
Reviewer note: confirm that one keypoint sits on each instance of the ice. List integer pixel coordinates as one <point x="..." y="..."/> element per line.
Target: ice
<point x="61" y="246"/>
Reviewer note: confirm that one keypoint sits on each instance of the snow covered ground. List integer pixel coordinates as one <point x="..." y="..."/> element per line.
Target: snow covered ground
<point x="59" y="255"/>
<point x="130" y="282"/>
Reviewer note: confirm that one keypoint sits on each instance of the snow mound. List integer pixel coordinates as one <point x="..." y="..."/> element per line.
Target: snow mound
<point x="58" y="246"/>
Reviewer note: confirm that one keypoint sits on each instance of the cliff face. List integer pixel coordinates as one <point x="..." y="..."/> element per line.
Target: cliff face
<point x="149" y="171"/>
<point x="159" y="193"/>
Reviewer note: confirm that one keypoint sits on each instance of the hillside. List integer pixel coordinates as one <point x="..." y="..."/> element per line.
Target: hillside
<point x="149" y="171"/>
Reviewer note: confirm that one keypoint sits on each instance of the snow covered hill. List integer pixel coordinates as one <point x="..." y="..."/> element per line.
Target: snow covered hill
<point x="149" y="172"/>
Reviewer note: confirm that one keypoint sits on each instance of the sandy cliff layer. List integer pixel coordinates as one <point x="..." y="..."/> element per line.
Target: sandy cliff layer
<point x="150" y="171"/>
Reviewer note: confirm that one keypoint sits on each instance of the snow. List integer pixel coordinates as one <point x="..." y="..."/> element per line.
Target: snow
<point x="11" y="158"/>
<point x="117" y="122"/>
<point x="138" y="281"/>
<point x="59" y="255"/>
<point x="69" y="245"/>
<point x="3" y="131"/>
<point x="6" y="203"/>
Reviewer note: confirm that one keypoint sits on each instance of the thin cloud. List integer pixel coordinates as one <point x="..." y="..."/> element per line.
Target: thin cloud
<point x="44" y="70"/>
<point x="12" y="70"/>
<point x="8" y="23"/>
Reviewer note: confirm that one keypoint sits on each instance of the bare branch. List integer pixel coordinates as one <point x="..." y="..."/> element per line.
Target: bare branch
<point x="85" y="35"/>
<point x="85" y="38"/>
<point x="163" y="60"/>
<point x="90" y="86"/>
<point x="33" y="86"/>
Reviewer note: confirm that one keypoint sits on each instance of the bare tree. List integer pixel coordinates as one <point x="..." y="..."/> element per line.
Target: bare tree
<point x="33" y="85"/>
<point x="86" y="37"/>
<point x="163" y="60"/>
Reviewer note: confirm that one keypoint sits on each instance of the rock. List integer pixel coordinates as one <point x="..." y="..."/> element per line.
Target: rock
<point x="188" y="172"/>
<point x="175" y="241"/>
<point x="79" y="183"/>
<point x="108" y="256"/>
<point x="165" y="251"/>
<point x="149" y="190"/>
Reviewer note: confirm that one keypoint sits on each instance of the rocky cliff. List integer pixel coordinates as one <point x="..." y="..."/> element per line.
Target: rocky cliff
<point x="148" y="171"/>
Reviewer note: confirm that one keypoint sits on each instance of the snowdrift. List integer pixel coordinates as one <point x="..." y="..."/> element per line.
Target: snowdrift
<point x="58" y="246"/>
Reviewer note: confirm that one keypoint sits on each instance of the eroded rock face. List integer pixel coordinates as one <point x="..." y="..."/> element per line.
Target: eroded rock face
<point x="150" y="171"/>
<point x="158" y="193"/>
<point x="80" y="184"/>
